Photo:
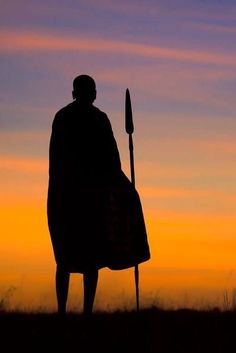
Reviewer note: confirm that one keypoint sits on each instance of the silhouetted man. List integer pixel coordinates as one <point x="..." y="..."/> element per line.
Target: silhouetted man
<point x="94" y="213"/>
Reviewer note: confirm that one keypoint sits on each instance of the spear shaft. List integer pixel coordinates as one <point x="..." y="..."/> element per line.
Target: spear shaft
<point x="129" y="127"/>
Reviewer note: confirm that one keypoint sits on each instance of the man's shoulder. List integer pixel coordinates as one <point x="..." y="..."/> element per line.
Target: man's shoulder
<point x="98" y="111"/>
<point x="62" y="113"/>
<point x="101" y="114"/>
<point x="72" y="109"/>
<point x="64" y="110"/>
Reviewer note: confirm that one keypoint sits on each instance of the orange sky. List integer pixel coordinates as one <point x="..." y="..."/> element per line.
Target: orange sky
<point x="192" y="251"/>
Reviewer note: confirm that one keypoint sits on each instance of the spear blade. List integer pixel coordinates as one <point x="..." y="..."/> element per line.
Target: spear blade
<point x="129" y="126"/>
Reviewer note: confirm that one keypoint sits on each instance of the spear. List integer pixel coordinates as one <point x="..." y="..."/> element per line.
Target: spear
<point x="129" y="127"/>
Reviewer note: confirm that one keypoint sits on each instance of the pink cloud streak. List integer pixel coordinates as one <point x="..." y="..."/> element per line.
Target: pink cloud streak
<point x="215" y="28"/>
<point x="14" y="41"/>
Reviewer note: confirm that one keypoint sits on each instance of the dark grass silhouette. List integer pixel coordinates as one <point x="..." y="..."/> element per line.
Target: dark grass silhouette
<point x="150" y="330"/>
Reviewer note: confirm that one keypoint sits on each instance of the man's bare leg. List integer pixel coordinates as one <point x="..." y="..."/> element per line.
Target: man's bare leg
<point x="90" y="285"/>
<point x="62" y="286"/>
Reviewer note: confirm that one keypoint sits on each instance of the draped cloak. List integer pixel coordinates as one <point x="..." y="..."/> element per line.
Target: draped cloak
<point x="95" y="216"/>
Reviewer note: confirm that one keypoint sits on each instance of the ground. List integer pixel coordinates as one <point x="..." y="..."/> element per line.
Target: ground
<point x="150" y="330"/>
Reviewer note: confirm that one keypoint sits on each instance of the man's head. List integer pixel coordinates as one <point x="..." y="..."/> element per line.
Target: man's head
<point x="84" y="89"/>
